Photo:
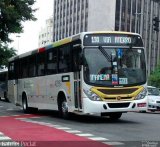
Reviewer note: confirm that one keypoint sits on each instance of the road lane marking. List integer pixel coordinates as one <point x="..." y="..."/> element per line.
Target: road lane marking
<point x="9" y="109"/>
<point x="63" y="128"/>
<point x="1" y="133"/>
<point x="85" y="135"/>
<point x="113" y="143"/>
<point x="4" y="138"/>
<point x="98" y="138"/>
<point x="73" y="131"/>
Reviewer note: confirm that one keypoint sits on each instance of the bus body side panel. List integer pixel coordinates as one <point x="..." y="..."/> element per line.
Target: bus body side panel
<point x="42" y="92"/>
<point x="12" y="91"/>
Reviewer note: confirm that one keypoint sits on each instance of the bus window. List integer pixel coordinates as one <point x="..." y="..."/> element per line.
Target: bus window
<point x="41" y="64"/>
<point x="32" y="66"/>
<point x="11" y="71"/>
<point x="64" y="59"/>
<point x="51" y="62"/>
<point x="24" y="68"/>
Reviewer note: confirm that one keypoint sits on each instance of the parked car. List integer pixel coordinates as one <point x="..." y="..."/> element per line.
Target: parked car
<point x="153" y="98"/>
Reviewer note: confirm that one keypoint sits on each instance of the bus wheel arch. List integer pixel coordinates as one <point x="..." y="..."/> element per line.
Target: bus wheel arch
<point x="62" y="105"/>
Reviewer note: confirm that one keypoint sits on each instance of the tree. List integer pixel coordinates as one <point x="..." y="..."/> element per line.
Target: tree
<point x="154" y="78"/>
<point x="5" y="54"/>
<point x="12" y="14"/>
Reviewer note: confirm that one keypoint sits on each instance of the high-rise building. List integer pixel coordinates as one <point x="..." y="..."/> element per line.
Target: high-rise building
<point x="46" y="33"/>
<point x="74" y="16"/>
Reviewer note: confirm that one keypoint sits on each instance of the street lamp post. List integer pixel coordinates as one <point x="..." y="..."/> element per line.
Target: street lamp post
<point x="18" y="36"/>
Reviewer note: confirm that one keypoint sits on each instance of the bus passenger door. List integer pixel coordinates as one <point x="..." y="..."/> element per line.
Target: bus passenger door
<point x="12" y="83"/>
<point x="77" y="78"/>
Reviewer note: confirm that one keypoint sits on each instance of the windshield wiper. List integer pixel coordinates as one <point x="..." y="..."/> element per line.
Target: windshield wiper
<point x="108" y="57"/>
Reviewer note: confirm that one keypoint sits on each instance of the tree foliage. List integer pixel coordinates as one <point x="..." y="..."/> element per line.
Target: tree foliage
<point x="5" y="54"/>
<point x="154" y="78"/>
<point x="12" y="14"/>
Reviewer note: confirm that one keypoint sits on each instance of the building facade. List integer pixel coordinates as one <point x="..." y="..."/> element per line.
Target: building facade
<point x="46" y="33"/>
<point x="74" y="16"/>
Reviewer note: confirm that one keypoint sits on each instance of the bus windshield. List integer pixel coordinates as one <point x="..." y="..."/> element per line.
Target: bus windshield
<point x="108" y="66"/>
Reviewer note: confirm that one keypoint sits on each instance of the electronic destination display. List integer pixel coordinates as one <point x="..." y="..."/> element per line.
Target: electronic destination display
<point x="112" y="40"/>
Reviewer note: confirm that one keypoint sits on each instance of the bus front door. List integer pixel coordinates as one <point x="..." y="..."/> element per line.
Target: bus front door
<point x="12" y="91"/>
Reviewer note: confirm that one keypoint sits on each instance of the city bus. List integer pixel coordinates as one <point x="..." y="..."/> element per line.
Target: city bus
<point x="91" y="73"/>
<point x="3" y="85"/>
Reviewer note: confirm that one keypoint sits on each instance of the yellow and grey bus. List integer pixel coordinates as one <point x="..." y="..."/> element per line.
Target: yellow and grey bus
<point x="89" y="73"/>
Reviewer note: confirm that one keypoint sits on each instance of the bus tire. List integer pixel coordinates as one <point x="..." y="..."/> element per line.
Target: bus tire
<point x="26" y="109"/>
<point x="63" y="108"/>
<point x="5" y="96"/>
<point x="115" y="115"/>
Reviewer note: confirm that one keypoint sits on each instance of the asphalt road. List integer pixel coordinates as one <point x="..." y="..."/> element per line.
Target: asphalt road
<point x="133" y="129"/>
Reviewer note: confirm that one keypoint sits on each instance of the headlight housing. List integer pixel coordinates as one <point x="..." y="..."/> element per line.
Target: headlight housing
<point x="91" y="95"/>
<point x="141" y="95"/>
<point x="152" y="101"/>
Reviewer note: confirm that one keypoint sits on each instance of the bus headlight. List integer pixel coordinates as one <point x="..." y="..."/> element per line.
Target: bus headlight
<point x="141" y="95"/>
<point x="91" y="95"/>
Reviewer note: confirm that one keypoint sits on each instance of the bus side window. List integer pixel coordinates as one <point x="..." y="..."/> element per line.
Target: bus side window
<point x="51" y="62"/>
<point x="41" y="64"/>
<point x="11" y="71"/>
<point x="64" y="59"/>
<point x="32" y="66"/>
<point x="24" y="68"/>
<point x="76" y="58"/>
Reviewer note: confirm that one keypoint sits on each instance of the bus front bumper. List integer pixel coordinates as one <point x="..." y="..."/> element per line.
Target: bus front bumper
<point x="92" y="107"/>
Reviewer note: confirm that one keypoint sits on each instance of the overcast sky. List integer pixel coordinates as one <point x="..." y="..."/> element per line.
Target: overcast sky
<point x="29" y="39"/>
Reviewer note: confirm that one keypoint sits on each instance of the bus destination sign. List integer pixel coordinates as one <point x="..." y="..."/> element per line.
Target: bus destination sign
<point x="112" y="40"/>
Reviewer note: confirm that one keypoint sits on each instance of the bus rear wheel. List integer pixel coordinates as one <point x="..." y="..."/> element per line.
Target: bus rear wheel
<point x="115" y="115"/>
<point x="26" y="109"/>
<point x="63" y="109"/>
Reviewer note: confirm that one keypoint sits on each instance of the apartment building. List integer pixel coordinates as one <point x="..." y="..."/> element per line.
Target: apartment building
<point x="74" y="16"/>
<point x="46" y="33"/>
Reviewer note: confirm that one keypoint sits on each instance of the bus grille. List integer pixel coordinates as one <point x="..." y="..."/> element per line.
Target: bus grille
<point x="118" y="91"/>
<point x="115" y="98"/>
<point x="118" y="105"/>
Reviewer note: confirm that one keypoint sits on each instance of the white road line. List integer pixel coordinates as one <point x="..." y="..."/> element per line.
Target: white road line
<point x="5" y="138"/>
<point x="98" y="138"/>
<point x="36" y="117"/>
<point x="73" y="131"/>
<point x="113" y="143"/>
<point x="56" y="126"/>
<point x="9" y="109"/>
<point x="63" y="128"/>
<point x="1" y="133"/>
<point x="85" y="135"/>
<point x="1" y="106"/>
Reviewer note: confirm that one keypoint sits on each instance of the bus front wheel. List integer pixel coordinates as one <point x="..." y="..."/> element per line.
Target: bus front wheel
<point x="63" y="109"/>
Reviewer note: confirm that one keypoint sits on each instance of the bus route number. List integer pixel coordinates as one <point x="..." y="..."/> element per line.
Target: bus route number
<point x="95" y="39"/>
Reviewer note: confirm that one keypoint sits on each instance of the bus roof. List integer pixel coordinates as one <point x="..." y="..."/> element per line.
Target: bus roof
<point x="67" y="40"/>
